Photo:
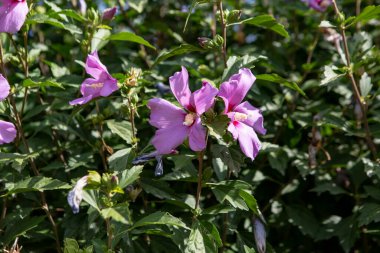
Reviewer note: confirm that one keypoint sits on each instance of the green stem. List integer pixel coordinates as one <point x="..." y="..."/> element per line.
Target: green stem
<point x="224" y="32"/>
<point x="355" y="88"/>
<point x="104" y="145"/>
<point x="109" y="233"/>
<point x="200" y="173"/>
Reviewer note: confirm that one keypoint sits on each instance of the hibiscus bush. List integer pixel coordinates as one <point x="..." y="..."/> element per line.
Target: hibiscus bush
<point x="189" y="126"/>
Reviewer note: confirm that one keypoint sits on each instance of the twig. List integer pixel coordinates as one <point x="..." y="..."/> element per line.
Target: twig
<point x="355" y="89"/>
<point x="200" y="173"/>
<point x="109" y="233"/>
<point x="224" y="32"/>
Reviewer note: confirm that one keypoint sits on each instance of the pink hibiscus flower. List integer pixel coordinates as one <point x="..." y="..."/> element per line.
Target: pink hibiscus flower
<point x="102" y="84"/>
<point x="318" y="5"/>
<point x="4" y="88"/>
<point x="176" y="124"/>
<point x="8" y="132"/>
<point x="12" y="15"/>
<point x="246" y="120"/>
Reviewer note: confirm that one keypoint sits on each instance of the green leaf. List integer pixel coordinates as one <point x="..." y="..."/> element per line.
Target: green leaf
<point x="217" y="125"/>
<point x="48" y="83"/>
<point x="71" y="246"/>
<point x="122" y="129"/>
<point x="18" y="161"/>
<point x="371" y="168"/>
<point x="369" y="212"/>
<point x="182" y="49"/>
<point x="369" y="12"/>
<point x="37" y="183"/>
<point x="326" y="24"/>
<point x="72" y="14"/>
<point x="23" y="226"/>
<point x="232" y="158"/>
<point x="347" y="231"/>
<point x="127" y="36"/>
<point x="234" y="63"/>
<point x="192" y="7"/>
<point x="100" y="39"/>
<point x="118" y="161"/>
<point x="365" y="84"/>
<point x="251" y="202"/>
<point x="130" y="176"/>
<point x="278" y="160"/>
<point x="265" y="21"/>
<point x="304" y="219"/>
<point x="45" y="19"/>
<point x="331" y="74"/>
<point x="195" y="243"/>
<point x="280" y="80"/>
<point x="115" y="213"/>
<point x="159" y="218"/>
<point x="330" y="187"/>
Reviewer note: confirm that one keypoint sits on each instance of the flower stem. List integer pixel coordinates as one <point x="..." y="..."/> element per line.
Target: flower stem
<point x="109" y="233"/>
<point x="104" y="146"/>
<point x="200" y="173"/>
<point x="355" y="89"/>
<point x="224" y="32"/>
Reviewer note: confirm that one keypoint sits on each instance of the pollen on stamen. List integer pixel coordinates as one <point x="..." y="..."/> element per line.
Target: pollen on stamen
<point x="189" y="119"/>
<point x="96" y="85"/>
<point x="240" y="116"/>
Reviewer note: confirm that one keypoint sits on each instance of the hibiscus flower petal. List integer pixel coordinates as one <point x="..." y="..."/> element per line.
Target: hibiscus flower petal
<point x="109" y="87"/>
<point x="248" y="140"/>
<point x="255" y="118"/>
<point x="164" y="114"/>
<point x="167" y="139"/>
<point x="12" y="15"/>
<point x="204" y="97"/>
<point x="81" y="101"/>
<point x="4" y="88"/>
<point x="234" y="91"/>
<point x="179" y="84"/>
<point x="8" y="132"/>
<point x="95" y="68"/>
<point x="197" y="136"/>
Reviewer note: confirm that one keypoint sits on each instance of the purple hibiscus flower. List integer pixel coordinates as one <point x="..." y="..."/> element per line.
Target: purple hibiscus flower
<point x="102" y="84"/>
<point x="7" y="132"/>
<point x="4" y="88"/>
<point x="318" y="5"/>
<point x="246" y="120"/>
<point x="12" y="15"/>
<point x="176" y="124"/>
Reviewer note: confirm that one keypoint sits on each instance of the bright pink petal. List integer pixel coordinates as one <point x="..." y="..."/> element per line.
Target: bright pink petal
<point x="95" y="68"/>
<point x="232" y="129"/>
<point x="179" y="84"/>
<point x="91" y="86"/>
<point x="167" y="139"/>
<point x="81" y="101"/>
<point x="204" y="97"/>
<point x="164" y="114"/>
<point x="197" y="136"/>
<point x="12" y="15"/>
<point x="8" y="132"/>
<point x="109" y="87"/>
<point x="233" y="91"/>
<point x="4" y="88"/>
<point x="248" y="140"/>
<point x="255" y="118"/>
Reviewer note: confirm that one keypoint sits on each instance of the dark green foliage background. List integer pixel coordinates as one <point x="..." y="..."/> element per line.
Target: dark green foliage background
<point x="333" y="207"/>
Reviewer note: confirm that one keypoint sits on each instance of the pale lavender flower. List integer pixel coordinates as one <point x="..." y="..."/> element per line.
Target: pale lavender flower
<point x="318" y="5"/>
<point x="12" y="15"/>
<point x="8" y="132"/>
<point x="102" y="84"/>
<point x="260" y="234"/>
<point x="246" y="120"/>
<point x="4" y="88"/>
<point x="75" y="196"/>
<point x="176" y="124"/>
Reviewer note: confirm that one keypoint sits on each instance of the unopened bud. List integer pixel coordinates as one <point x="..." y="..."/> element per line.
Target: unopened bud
<point x="109" y="13"/>
<point x="260" y="234"/>
<point x="233" y="16"/>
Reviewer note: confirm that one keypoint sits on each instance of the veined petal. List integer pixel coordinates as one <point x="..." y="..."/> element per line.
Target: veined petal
<point x="81" y="101"/>
<point x="197" y="136"/>
<point x="12" y="15"/>
<point x="91" y="86"/>
<point x="179" y="84"/>
<point x="95" y="68"/>
<point x="233" y="91"/>
<point x="109" y="87"/>
<point x="204" y="97"/>
<point x="8" y="132"/>
<point x="248" y="140"/>
<point x="4" y="88"/>
<point x="164" y="114"/>
<point x="254" y="117"/>
<point x="232" y="129"/>
<point x="167" y="139"/>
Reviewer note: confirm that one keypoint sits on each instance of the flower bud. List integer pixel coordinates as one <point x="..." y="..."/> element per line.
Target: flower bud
<point x="75" y="196"/>
<point x="203" y="41"/>
<point x="94" y="178"/>
<point x="109" y="13"/>
<point x="260" y="234"/>
<point x="233" y="16"/>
